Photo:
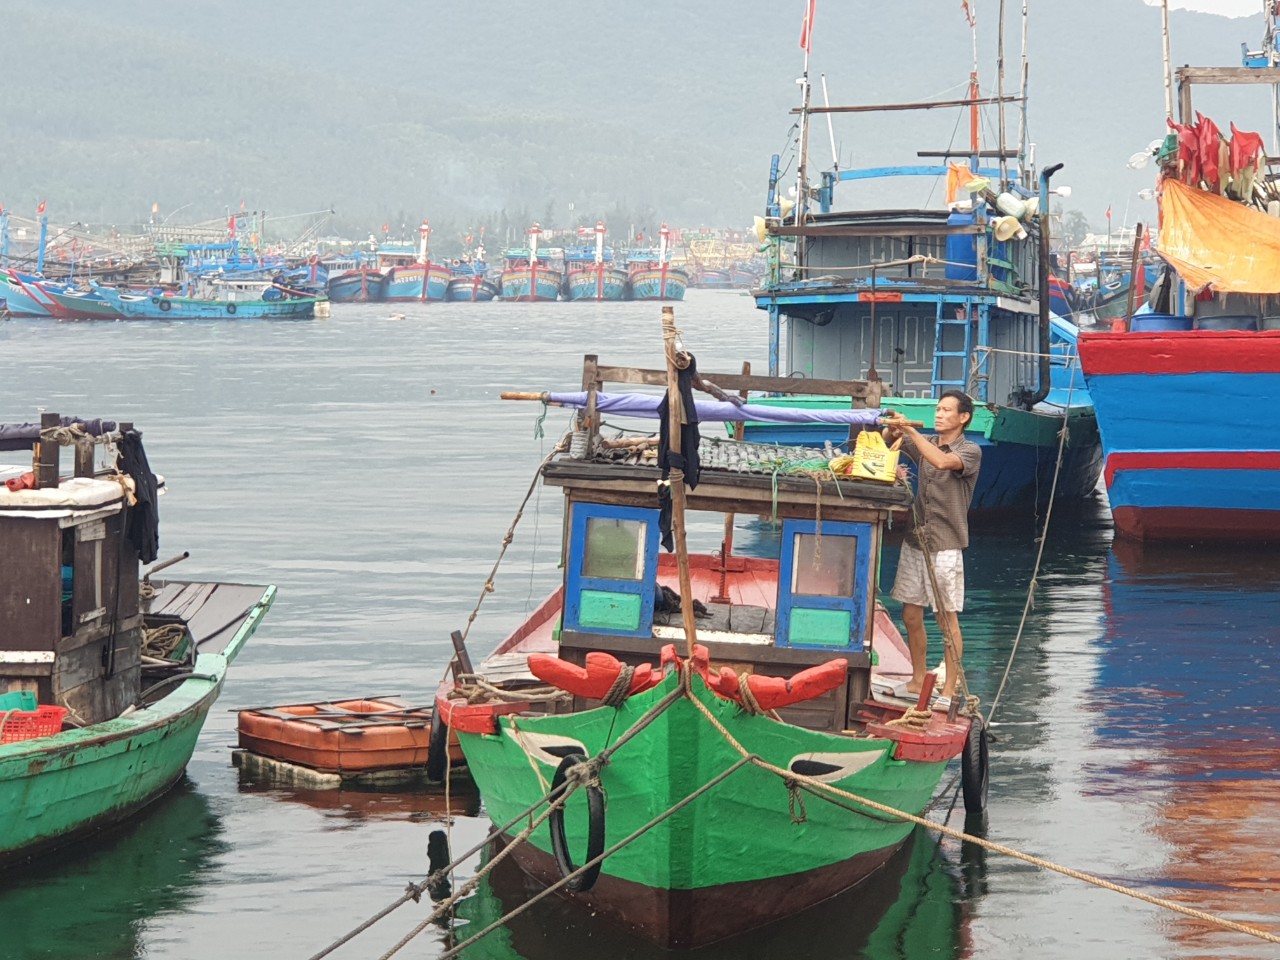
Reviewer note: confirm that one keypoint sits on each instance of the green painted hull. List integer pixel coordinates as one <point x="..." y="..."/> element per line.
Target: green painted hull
<point x="54" y="789"/>
<point x="736" y="844"/>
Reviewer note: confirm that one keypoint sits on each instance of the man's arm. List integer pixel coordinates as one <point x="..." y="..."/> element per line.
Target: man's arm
<point x="896" y="425"/>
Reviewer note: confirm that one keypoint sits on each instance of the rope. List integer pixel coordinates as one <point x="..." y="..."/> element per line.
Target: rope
<point x="913" y="719"/>
<point x="1034" y="583"/>
<point x="617" y="694"/>
<point x="474" y="688"/>
<point x="821" y="788"/>
<point x="162" y="641"/>
<point x="747" y="696"/>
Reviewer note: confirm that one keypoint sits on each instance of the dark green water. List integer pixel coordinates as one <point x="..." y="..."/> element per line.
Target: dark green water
<point x="366" y="466"/>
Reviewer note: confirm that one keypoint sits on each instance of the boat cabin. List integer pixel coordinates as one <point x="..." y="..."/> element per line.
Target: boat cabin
<point x="816" y="602"/>
<point x="70" y="618"/>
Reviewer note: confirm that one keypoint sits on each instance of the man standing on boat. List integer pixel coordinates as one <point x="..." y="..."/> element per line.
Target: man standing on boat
<point x="948" y="466"/>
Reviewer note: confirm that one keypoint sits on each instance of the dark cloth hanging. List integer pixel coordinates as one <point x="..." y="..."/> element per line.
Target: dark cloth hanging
<point x="687" y="458"/>
<point x="142" y="526"/>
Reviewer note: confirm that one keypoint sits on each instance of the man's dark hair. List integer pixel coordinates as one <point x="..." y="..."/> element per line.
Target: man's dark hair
<point x="964" y="403"/>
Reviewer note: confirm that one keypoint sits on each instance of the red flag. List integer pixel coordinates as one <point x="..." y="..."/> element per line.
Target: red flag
<point x="968" y="12"/>
<point x="1108" y="211"/>
<point x="386" y="228"/>
<point x="806" y="28"/>
<point x="40" y="209"/>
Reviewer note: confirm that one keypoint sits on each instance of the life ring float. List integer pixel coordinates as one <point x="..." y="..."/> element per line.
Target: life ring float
<point x="975" y="767"/>
<point x="772" y="693"/>
<point x="594" y="680"/>
<point x="165" y="305"/>
<point x="595" y="828"/>
<point x="231" y="308"/>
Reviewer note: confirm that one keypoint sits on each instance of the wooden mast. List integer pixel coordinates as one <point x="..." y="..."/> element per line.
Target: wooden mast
<point x="677" y="361"/>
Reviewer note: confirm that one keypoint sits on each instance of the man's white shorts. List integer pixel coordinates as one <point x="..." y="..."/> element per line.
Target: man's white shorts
<point x="912" y="582"/>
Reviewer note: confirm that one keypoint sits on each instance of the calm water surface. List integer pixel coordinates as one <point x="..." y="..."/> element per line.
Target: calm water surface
<point x="365" y="465"/>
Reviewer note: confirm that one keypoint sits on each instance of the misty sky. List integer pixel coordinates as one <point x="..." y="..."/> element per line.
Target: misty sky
<point x="1227" y="8"/>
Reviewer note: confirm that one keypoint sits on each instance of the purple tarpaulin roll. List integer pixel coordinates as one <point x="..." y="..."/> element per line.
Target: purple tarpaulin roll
<point x="645" y="405"/>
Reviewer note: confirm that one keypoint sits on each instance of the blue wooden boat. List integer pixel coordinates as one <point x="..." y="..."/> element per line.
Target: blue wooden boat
<point x="410" y="276"/>
<point x="89" y="304"/>
<point x="27" y="295"/>
<point x="711" y="280"/>
<point x="528" y="275"/>
<point x="232" y="303"/>
<point x="922" y="301"/>
<point x="651" y="275"/>
<point x="359" y="284"/>
<point x="469" y="282"/>
<point x="592" y="274"/>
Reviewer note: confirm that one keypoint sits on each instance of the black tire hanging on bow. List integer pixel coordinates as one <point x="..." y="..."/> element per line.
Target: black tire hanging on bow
<point x="595" y="829"/>
<point x="438" y="748"/>
<point x="975" y="767"/>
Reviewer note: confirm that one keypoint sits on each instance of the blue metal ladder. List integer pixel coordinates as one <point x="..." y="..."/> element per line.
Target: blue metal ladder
<point x="940" y="356"/>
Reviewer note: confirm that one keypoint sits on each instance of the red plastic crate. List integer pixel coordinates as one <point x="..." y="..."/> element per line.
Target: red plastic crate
<point x="18" y="725"/>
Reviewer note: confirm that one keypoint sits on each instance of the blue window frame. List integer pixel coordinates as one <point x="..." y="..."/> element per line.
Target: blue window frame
<point x="823" y="585"/>
<point x="612" y="570"/>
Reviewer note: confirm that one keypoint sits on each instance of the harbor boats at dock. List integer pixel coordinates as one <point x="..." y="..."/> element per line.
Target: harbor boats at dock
<point x="122" y="672"/>
<point x="651" y="274"/>
<point x="922" y="301"/>
<point x="697" y="699"/>
<point x="408" y="274"/>
<point x="529" y="277"/>
<point x="1184" y="390"/>
<point x="592" y="274"/>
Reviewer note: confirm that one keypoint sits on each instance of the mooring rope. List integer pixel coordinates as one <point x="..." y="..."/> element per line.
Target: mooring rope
<point x="825" y="788"/>
<point x="1034" y="584"/>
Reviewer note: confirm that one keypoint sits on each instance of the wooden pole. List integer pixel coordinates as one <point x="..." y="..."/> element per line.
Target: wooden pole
<point x="726" y="544"/>
<point x="1168" y="65"/>
<point x="1134" y="264"/>
<point x="46" y="454"/>
<point x="675" y="420"/>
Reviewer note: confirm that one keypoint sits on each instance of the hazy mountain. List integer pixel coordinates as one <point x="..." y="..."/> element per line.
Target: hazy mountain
<point x="501" y="112"/>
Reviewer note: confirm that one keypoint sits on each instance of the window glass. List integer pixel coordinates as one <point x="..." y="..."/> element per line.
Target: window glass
<point x="614" y="549"/>
<point x="823" y="566"/>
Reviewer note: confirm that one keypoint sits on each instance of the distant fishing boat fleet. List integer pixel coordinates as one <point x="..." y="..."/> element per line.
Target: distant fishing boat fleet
<point x="220" y="281"/>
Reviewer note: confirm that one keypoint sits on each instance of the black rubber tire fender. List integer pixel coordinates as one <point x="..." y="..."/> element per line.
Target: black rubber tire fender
<point x="165" y="305"/>
<point x="231" y="308"/>
<point x="438" y="748"/>
<point x="975" y="767"/>
<point x="595" y="829"/>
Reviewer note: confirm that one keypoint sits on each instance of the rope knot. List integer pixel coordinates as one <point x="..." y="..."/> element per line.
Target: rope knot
<point x="414" y="892"/>
<point x="586" y="773"/>
<point x="795" y="799"/>
<point x="617" y="694"/>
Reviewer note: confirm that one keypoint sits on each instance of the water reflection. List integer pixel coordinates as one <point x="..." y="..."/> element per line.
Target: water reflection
<point x="351" y="806"/>
<point x="97" y="898"/>
<point x="1187" y="678"/>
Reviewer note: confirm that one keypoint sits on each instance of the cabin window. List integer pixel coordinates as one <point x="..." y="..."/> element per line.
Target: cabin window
<point x="824" y="587"/>
<point x="613" y="548"/>
<point x="823" y="566"/>
<point x="612" y="570"/>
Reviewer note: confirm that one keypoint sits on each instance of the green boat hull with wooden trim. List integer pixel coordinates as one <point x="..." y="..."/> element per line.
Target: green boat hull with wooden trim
<point x="57" y="788"/>
<point x="748" y="846"/>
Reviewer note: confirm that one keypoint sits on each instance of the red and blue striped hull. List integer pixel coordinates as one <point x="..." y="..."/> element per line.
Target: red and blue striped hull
<point x="1190" y="434"/>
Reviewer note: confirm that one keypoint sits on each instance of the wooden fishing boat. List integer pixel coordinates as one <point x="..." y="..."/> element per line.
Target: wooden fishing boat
<point x="927" y="300"/>
<point x="592" y="274"/>
<point x="1172" y="473"/>
<point x="133" y="667"/>
<point x="717" y="722"/>
<point x="651" y="274"/>
<point x="410" y="276"/>
<point x="469" y="282"/>
<point x="360" y="283"/>
<point x="528" y="276"/>
<point x="345" y="737"/>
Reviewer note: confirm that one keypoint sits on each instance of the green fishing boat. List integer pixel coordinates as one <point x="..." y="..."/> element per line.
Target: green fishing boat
<point x="729" y="736"/>
<point x="105" y="680"/>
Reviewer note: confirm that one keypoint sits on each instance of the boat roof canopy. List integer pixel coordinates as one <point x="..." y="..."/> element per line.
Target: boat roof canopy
<point x="1217" y="243"/>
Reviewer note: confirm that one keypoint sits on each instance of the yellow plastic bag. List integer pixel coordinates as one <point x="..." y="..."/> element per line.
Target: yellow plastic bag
<point x="871" y="459"/>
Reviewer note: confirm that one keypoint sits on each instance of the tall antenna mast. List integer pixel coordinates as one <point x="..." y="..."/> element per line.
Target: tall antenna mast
<point x="971" y="14"/>
<point x="1022" y="113"/>
<point x="1168" y="69"/>
<point x="1004" y="164"/>
<point x="802" y="193"/>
